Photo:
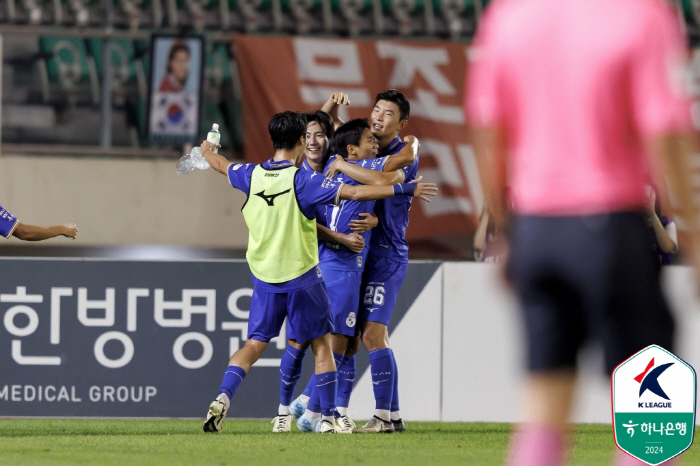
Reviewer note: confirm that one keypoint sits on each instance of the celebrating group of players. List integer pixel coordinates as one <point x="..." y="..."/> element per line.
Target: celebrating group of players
<point x="327" y="257"/>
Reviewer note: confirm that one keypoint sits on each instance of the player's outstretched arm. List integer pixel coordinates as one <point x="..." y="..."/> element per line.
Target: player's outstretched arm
<point x="405" y="157"/>
<point x="35" y="233"/>
<point x="363" y="175"/>
<point x="353" y="241"/>
<point x="333" y="103"/>
<point x="373" y="193"/>
<point x="216" y="161"/>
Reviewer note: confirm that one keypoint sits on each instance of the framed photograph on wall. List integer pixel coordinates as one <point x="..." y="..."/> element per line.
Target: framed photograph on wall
<point x="175" y="88"/>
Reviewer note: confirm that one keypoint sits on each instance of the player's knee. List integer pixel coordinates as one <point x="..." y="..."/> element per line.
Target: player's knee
<point x="373" y="340"/>
<point x="353" y="346"/>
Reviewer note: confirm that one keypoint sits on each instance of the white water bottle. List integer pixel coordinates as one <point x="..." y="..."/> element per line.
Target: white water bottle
<point x="194" y="159"/>
<point x="214" y="137"/>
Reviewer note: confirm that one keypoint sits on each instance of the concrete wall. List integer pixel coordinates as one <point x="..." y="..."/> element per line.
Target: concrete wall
<point x="123" y="202"/>
<point x="460" y="357"/>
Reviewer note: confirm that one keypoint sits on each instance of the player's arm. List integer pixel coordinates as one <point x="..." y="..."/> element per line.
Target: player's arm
<point x="333" y="104"/>
<point x="353" y="241"/>
<point x="35" y="233"/>
<point x="363" y="175"/>
<point x="373" y="193"/>
<point x="405" y="157"/>
<point x="216" y="161"/>
<point x="480" y="235"/>
<point x="675" y="151"/>
<point x="665" y="236"/>
<point x="490" y="150"/>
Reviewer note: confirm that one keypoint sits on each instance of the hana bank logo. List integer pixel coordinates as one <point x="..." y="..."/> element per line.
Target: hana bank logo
<point x="649" y="381"/>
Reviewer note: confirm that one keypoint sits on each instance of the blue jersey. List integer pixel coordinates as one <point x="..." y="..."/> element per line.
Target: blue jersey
<point x="389" y="237"/>
<point x="320" y="209"/>
<point x="310" y="188"/>
<point x="335" y="256"/>
<point x="8" y="223"/>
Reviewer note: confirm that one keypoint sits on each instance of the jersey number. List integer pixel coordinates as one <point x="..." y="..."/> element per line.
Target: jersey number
<point x="374" y="295"/>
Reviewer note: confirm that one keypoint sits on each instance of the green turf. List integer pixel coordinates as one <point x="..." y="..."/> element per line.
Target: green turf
<point x="131" y="443"/>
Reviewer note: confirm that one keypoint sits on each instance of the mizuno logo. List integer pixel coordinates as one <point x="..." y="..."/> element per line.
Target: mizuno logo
<point x="379" y="381"/>
<point x="372" y="309"/>
<point x="350" y="380"/>
<point x="271" y="198"/>
<point x="287" y="383"/>
<point x="651" y="381"/>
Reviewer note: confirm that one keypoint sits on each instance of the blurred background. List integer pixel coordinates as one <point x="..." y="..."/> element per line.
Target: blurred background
<point x="94" y="141"/>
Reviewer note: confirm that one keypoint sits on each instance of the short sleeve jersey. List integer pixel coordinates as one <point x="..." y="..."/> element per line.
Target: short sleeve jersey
<point x="389" y="237"/>
<point x="578" y="92"/>
<point x="8" y="223"/>
<point x="320" y="209"/>
<point x="336" y="256"/>
<point x="311" y="189"/>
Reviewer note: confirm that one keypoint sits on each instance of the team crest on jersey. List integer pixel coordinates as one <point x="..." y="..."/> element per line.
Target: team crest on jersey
<point x="318" y="272"/>
<point x="351" y="320"/>
<point x="359" y="261"/>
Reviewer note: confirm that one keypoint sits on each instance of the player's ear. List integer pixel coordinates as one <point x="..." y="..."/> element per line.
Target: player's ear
<point x="402" y="124"/>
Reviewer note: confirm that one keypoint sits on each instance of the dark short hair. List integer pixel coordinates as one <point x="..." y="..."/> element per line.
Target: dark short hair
<point x="392" y="95"/>
<point x="324" y="120"/>
<point x="349" y="133"/>
<point x="286" y="128"/>
<point x="177" y="46"/>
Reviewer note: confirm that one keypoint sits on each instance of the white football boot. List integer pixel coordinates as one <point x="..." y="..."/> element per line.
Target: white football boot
<point x="326" y="427"/>
<point x="217" y="413"/>
<point x="282" y="423"/>
<point x="344" y="425"/>
<point x="375" y="426"/>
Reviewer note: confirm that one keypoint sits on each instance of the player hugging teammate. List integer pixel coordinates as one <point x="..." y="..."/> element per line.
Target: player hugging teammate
<point x="281" y="213"/>
<point x="362" y="284"/>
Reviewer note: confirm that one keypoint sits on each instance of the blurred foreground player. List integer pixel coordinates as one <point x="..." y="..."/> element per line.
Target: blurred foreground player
<point x="11" y="226"/>
<point x="576" y="102"/>
<point x="283" y="256"/>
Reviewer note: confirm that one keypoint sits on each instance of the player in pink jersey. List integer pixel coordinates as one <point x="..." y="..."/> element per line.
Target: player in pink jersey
<point x="577" y="102"/>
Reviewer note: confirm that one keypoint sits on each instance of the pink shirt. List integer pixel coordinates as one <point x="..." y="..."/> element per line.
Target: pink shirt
<point x="578" y="85"/>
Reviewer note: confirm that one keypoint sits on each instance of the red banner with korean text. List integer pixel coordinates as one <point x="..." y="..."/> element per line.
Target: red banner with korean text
<point x="300" y="73"/>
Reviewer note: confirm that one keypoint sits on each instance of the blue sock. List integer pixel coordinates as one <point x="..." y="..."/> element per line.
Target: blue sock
<point x="315" y="404"/>
<point x="346" y="381"/>
<point x="395" y="394"/>
<point x="327" y="388"/>
<point x="382" y="369"/>
<point x="309" y="386"/>
<point x="233" y="377"/>
<point x="290" y="371"/>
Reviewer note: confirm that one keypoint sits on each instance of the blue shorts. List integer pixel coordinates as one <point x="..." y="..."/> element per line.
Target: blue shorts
<point x="381" y="284"/>
<point x="343" y="289"/>
<point x="307" y="312"/>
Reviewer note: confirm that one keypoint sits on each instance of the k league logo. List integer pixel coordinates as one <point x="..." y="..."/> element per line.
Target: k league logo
<point x="653" y="396"/>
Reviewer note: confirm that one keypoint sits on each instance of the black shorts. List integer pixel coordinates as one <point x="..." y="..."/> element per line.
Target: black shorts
<point x="590" y="277"/>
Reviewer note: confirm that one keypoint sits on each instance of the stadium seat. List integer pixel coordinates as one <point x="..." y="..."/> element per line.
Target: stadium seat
<point x="357" y="16"/>
<point x="64" y="61"/>
<point x="123" y="63"/>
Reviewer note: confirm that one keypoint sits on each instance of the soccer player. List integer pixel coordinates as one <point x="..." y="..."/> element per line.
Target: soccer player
<point x="11" y="226"/>
<point x="572" y="123"/>
<point x="342" y="269"/>
<point x="319" y="131"/>
<point x="387" y="260"/>
<point x="283" y="256"/>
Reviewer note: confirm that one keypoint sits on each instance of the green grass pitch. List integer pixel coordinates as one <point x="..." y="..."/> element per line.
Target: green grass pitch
<point x="180" y="442"/>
